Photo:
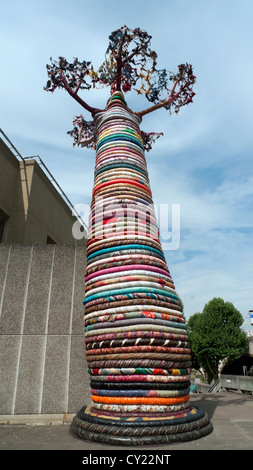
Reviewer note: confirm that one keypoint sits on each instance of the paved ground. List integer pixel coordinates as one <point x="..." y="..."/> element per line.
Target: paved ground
<point x="231" y="415"/>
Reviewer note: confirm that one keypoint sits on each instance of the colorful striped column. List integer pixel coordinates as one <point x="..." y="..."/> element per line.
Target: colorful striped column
<point x="137" y="346"/>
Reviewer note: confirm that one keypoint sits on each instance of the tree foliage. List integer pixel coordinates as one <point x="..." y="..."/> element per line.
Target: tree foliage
<point x="215" y="335"/>
<point x="130" y="64"/>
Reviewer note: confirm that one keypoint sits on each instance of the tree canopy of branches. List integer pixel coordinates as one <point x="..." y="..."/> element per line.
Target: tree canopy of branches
<point x="130" y="64"/>
<point x="215" y="336"/>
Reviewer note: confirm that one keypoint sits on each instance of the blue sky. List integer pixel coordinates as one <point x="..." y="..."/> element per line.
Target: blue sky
<point x="204" y="160"/>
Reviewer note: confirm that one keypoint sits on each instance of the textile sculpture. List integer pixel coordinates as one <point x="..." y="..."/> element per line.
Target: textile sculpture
<point x="137" y="347"/>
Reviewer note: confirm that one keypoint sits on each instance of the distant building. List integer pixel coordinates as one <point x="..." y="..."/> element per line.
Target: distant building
<point x="32" y="210"/>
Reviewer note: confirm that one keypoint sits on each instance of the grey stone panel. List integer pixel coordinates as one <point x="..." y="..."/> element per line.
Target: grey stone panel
<point x="29" y="375"/>
<point x="43" y="366"/>
<point x="61" y="290"/>
<point x="9" y="348"/>
<point x="79" y="380"/>
<point x="38" y="292"/>
<point x="78" y="307"/>
<point x="15" y="290"/>
<point x="4" y="254"/>
<point x="55" y="386"/>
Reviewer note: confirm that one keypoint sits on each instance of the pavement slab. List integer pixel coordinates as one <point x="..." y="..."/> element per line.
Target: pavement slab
<point x="231" y="415"/>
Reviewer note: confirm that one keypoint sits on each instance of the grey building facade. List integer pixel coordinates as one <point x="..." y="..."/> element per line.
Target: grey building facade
<point x="42" y="352"/>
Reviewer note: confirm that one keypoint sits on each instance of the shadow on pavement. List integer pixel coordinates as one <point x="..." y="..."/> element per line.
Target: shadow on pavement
<point x="210" y="402"/>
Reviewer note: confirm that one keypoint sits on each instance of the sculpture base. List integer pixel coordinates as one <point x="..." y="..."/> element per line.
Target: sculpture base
<point x="94" y="425"/>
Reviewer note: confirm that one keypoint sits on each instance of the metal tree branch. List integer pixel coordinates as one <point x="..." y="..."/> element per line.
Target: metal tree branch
<point x="76" y="97"/>
<point x="137" y="346"/>
<point x="172" y="98"/>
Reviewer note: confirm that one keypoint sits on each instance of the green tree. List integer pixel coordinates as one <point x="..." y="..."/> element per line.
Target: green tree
<point x="215" y="336"/>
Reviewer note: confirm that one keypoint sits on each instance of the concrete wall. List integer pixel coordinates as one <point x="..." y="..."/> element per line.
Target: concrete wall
<point x="42" y="352"/>
<point x="240" y="383"/>
<point x="237" y="382"/>
<point x="9" y="167"/>
<point x="34" y="207"/>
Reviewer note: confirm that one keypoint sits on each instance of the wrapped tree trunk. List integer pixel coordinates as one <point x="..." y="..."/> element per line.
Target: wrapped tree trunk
<point x="137" y="346"/>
